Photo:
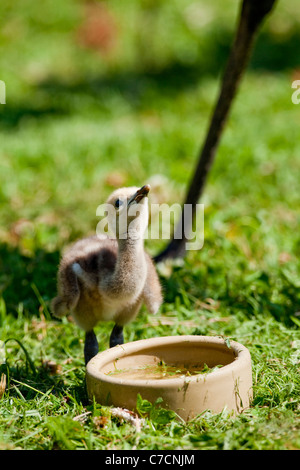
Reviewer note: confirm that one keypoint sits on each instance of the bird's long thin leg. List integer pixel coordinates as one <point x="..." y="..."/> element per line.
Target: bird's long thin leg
<point x="116" y="336"/>
<point x="91" y="347"/>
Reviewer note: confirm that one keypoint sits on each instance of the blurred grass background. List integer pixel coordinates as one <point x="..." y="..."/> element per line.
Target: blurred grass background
<point x="105" y="94"/>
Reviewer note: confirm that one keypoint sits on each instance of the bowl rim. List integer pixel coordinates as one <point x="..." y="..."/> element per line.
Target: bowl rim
<point x="117" y="352"/>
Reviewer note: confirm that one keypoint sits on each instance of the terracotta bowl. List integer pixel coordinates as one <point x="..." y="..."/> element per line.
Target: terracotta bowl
<point x="169" y="368"/>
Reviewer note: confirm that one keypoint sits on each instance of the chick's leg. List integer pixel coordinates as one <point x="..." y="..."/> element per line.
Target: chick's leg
<point x="116" y="336"/>
<point x="122" y="319"/>
<point x="91" y="347"/>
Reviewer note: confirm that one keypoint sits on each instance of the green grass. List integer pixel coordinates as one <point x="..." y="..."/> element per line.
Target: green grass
<point x="76" y="124"/>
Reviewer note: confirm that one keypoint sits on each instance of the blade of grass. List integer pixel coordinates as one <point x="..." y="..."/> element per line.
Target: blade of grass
<point x="29" y="386"/>
<point x="41" y="301"/>
<point x="30" y="362"/>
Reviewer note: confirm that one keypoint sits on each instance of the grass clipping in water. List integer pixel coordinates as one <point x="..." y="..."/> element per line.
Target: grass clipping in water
<point x="161" y="370"/>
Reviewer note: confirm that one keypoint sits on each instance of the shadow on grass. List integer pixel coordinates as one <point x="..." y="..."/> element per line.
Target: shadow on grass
<point x="256" y="293"/>
<point x="14" y="113"/>
<point x="27" y="282"/>
<point x="22" y="380"/>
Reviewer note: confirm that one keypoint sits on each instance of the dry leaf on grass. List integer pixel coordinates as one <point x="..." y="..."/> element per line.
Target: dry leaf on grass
<point x="2" y="385"/>
<point x="208" y="304"/>
<point x="100" y="422"/>
<point x="129" y="416"/>
<point x="83" y="417"/>
<point x="52" y="367"/>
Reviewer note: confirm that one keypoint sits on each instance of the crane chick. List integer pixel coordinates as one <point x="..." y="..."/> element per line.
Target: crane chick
<point x="108" y="279"/>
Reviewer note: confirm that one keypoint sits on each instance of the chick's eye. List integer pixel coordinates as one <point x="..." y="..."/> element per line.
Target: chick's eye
<point x="118" y="203"/>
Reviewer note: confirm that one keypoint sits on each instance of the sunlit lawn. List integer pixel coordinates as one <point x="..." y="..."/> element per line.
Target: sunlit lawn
<point x="80" y="122"/>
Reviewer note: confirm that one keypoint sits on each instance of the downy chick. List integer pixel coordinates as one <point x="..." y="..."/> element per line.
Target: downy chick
<point x="108" y="279"/>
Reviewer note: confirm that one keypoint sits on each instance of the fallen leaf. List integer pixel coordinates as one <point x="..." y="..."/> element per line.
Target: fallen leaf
<point x="284" y="258"/>
<point x="129" y="416"/>
<point x="100" y="422"/>
<point x="82" y="417"/>
<point x="116" y="179"/>
<point x="99" y="29"/>
<point x="208" y="304"/>
<point x="52" y="367"/>
<point x="2" y="385"/>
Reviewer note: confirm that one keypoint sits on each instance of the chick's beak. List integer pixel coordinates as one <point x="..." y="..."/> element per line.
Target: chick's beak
<point x="140" y="194"/>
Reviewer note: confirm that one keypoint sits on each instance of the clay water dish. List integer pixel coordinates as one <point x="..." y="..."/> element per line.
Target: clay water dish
<point x="190" y="373"/>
